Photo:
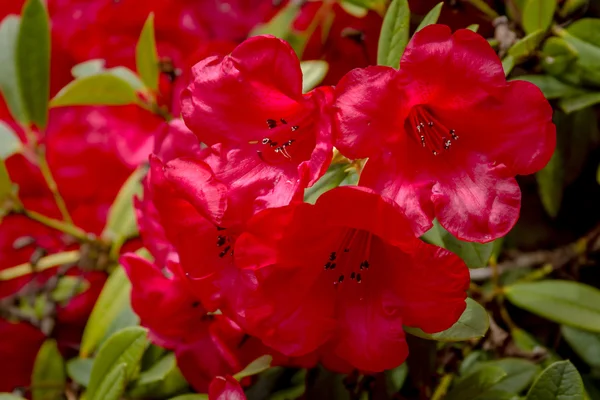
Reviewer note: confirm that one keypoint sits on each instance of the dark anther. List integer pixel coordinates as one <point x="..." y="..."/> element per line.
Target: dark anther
<point x="364" y="265"/>
<point x="431" y="124"/>
<point x="295" y="128"/>
<point x="332" y="266"/>
<point x="358" y="278"/>
<point x="283" y="121"/>
<point x="353" y="275"/>
<point x="453" y="134"/>
<point x="222" y="254"/>
<point x="221" y="240"/>
<point x="328" y="265"/>
<point x="273" y="144"/>
<point x="347" y="249"/>
<point x="220" y="228"/>
<point x="435" y="153"/>
<point x="332" y="256"/>
<point x="195" y="304"/>
<point x="266" y="140"/>
<point x="207" y="317"/>
<point x="341" y="279"/>
<point x="271" y="123"/>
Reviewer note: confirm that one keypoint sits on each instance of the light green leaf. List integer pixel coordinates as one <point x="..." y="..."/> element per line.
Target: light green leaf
<point x="128" y="76"/>
<point x="525" y="47"/>
<point x="9" y="141"/>
<point x="355" y="10"/>
<point x="48" y="380"/>
<point x="538" y="15"/>
<point x="394" y="34"/>
<point x="67" y="287"/>
<point x="125" y="347"/>
<point x="100" y="89"/>
<point x="587" y="29"/>
<point x="162" y="380"/>
<point x="508" y="63"/>
<point x="550" y="184"/>
<point x="146" y="56"/>
<point x="473" y="323"/>
<point x="33" y="61"/>
<point x="332" y="178"/>
<point x="476" y="384"/>
<point x="395" y="379"/>
<point x="586" y="344"/>
<point x="375" y="5"/>
<point x="575" y="103"/>
<point x="112" y="300"/>
<point x="88" y="68"/>
<point x="519" y="373"/>
<point x="80" y="370"/>
<point x="10" y="396"/>
<point x="551" y="87"/>
<point x="589" y="57"/>
<point x="473" y="27"/>
<point x="112" y="385"/>
<point x="559" y="58"/>
<point x="313" y="72"/>
<point x="560" y="381"/>
<point x="431" y="17"/>
<point x="257" y="366"/>
<point x="565" y="302"/>
<point x="9" y="85"/>
<point x="571" y="6"/>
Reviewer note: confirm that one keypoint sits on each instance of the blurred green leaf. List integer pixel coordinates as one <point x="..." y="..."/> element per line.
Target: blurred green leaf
<point x="162" y="380"/>
<point x="125" y="347"/>
<point x="9" y="85"/>
<point x="33" y="61"/>
<point x="588" y="60"/>
<point x="538" y="15"/>
<point x="431" y="17"/>
<point x="551" y="87"/>
<point x="100" y="89"/>
<point x="519" y="373"/>
<point x="10" y="396"/>
<point x="112" y="386"/>
<point x="587" y="29"/>
<point x="508" y="63"/>
<point x="88" y="68"/>
<point x="281" y="26"/>
<point x="560" y="381"/>
<point x="112" y="300"/>
<point x="375" y="5"/>
<point x="67" y="287"/>
<point x="526" y="342"/>
<point x="355" y="10"/>
<point x="80" y="369"/>
<point x="395" y="379"/>
<point x="49" y="379"/>
<point x="550" y="184"/>
<point x="9" y="141"/>
<point x="257" y="366"/>
<point x="6" y="187"/>
<point x="570" y="303"/>
<point x="571" y="6"/>
<point x="394" y="34"/>
<point x="586" y="344"/>
<point x="313" y="72"/>
<point x="559" y="59"/>
<point x="476" y="384"/>
<point x="190" y="396"/>
<point x="473" y="27"/>
<point x="331" y="179"/>
<point x="473" y="323"/>
<point x="146" y="56"/>
<point x="576" y="103"/>
<point x="295" y="391"/>
<point x="526" y="47"/>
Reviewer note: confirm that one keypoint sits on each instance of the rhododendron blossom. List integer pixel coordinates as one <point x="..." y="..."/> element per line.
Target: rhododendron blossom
<point x="225" y="388"/>
<point x="342" y="277"/>
<point x="446" y="134"/>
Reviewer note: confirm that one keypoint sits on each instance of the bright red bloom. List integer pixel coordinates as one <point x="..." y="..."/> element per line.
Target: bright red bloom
<point x="446" y="134"/>
<point x="225" y="388"/>
<point x="342" y="277"/>
<point x="251" y="103"/>
<point x="456" y="14"/>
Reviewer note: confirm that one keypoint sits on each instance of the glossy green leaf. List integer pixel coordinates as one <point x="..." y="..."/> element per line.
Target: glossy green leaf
<point x="313" y="72"/>
<point x="80" y="370"/>
<point x="112" y="300"/>
<point x="551" y="87"/>
<point x="519" y="373"/>
<point x="431" y="17"/>
<point x="9" y="141"/>
<point x="100" y="89"/>
<point x="586" y="344"/>
<point x="257" y="366"/>
<point x="146" y="56"/>
<point x="526" y="47"/>
<point x="560" y="381"/>
<point x="473" y="323"/>
<point x="550" y="184"/>
<point x="112" y="385"/>
<point x="48" y="379"/>
<point x="395" y="379"/>
<point x="125" y="347"/>
<point x="68" y="287"/>
<point x="9" y="86"/>
<point x="565" y="302"/>
<point x="88" y="68"/>
<point x="476" y="384"/>
<point x="575" y="103"/>
<point x="33" y="61"/>
<point x="538" y="15"/>
<point x="394" y="34"/>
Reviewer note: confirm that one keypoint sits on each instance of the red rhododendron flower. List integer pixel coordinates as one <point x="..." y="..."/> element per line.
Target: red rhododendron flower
<point x="446" y="134"/>
<point x="342" y="277"/>
<point x="225" y="388"/>
<point x="251" y="103"/>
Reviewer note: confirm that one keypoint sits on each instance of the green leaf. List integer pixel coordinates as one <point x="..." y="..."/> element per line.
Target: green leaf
<point x="550" y="184"/>
<point x="473" y="27"/>
<point x="526" y="342"/>
<point x="67" y="287"/>
<point x="538" y="15"/>
<point x="48" y="380"/>
<point x="560" y="381"/>
<point x="162" y="380"/>
<point x="100" y="89"/>
<point x="579" y="102"/>
<point x="431" y="17"/>
<point x="395" y="379"/>
<point x="10" y="396"/>
<point x="526" y="47"/>
<point x="559" y="58"/>
<point x="313" y="72"/>
<point x="112" y="300"/>
<point x="146" y="56"/>
<point x="508" y="63"/>
<point x="355" y="10"/>
<point x="475" y="255"/>
<point x="476" y="384"/>
<point x="190" y="396"/>
<point x="88" y="68"/>
<point x="394" y="34"/>
<point x="551" y="87"/>
<point x="9" y="141"/>
<point x="571" y="6"/>
<point x="519" y="373"/>
<point x="334" y="176"/>
<point x="9" y="86"/>
<point x="33" y="61"/>
<point x="80" y="370"/>
<point x="281" y="26"/>
<point x="565" y="302"/>
<point x="587" y="29"/>
<point x="6" y="187"/>
<point x="589" y="58"/>
<point x="585" y="344"/>
<point x="473" y="323"/>
<point x="257" y="366"/>
<point x="125" y="347"/>
<point x="375" y="5"/>
<point x="112" y="385"/>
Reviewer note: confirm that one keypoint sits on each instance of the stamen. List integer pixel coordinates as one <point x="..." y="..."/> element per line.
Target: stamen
<point x="332" y="256"/>
<point x="224" y="252"/>
<point x="353" y="275"/>
<point x="358" y="278"/>
<point x="221" y="240"/>
<point x="283" y="121"/>
<point x="429" y="131"/>
<point x="271" y="123"/>
<point x="295" y="128"/>
<point x="266" y="141"/>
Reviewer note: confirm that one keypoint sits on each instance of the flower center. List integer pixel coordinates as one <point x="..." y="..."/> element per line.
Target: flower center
<point x="429" y="132"/>
<point x="349" y="261"/>
<point x="285" y="141"/>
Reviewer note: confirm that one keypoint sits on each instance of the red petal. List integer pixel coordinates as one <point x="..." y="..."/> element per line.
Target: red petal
<point x="225" y="388"/>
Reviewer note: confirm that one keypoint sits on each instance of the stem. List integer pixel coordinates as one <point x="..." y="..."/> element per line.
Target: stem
<point x="65" y="227"/>
<point x="60" y="202"/>
<point x="484" y="8"/>
<point x="442" y="388"/>
<point x="51" y="261"/>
